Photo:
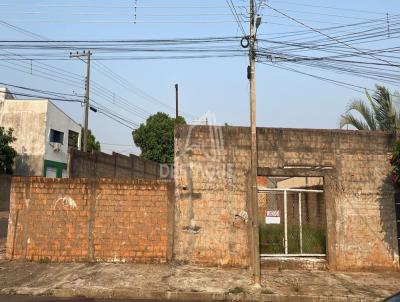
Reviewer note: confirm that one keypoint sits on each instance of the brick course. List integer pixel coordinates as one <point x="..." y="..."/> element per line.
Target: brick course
<point x="89" y="220"/>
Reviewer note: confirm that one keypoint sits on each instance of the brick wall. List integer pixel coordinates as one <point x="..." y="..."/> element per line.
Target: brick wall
<point x="211" y="179"/>
<point x="102" y="165"/>
<point x="90" y="220"/>
<point x="5" y="187"/>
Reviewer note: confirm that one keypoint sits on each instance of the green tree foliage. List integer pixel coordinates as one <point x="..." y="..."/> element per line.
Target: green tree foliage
<point x="92" y="144"/>
<point x="156" y="138"/>
<point x="378" y="113"/>
<point x="395" y="162"/>
<point x="7" y="153"/>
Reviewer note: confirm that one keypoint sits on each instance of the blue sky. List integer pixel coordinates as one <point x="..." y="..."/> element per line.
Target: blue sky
<point x="218" y="85"/>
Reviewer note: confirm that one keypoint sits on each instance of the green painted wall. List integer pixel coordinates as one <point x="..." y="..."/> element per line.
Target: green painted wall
<point x="53" y="164"/>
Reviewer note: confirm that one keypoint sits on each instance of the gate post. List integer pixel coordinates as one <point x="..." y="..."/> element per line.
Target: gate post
<point x="300" y="226"/>
<point x="286" y="226"/>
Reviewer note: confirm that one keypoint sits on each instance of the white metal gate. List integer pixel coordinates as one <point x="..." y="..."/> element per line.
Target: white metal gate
<point x="292" y="222"/>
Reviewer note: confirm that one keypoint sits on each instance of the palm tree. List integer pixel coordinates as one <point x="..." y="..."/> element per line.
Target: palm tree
<point x="379" y="113"/>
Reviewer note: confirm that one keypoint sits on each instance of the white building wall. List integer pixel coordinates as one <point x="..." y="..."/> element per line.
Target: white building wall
<point x="58" y="120"/>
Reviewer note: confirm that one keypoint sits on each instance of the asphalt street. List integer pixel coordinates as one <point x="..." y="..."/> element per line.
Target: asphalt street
<point x="53" y="299"/>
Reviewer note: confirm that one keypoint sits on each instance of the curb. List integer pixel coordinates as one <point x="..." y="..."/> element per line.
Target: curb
<point x="138" y="293"/>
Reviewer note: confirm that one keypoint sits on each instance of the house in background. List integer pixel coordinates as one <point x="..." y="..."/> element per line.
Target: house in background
<point x="43" y="132"/>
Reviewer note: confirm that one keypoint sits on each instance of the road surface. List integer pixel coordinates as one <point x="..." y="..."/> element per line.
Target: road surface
<point x="53" y="299"/>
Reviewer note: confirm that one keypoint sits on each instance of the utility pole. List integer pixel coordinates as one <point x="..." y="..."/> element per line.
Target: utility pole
<point x="176" y="103"/>
<point x="87" y="94"/>
<point x="254" y="162"/>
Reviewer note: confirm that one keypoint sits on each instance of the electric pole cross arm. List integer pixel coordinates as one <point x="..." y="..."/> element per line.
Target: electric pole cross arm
<point x="87" y="55"/>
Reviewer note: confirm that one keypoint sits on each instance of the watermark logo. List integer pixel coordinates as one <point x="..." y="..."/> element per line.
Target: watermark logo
<point x="201" y="151"/>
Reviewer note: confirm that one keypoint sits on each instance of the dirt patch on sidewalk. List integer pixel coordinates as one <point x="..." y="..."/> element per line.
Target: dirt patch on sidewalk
<point x="109" y="275"/>
<point x="315" y="283"/>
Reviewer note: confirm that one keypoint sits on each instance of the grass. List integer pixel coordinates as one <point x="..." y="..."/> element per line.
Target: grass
<point x="266" y="291"/>
<point x="295" y="285"/>
<point x="271" y="239"/>
<point x="236" y="290"/>
<point x="44" y="260"/>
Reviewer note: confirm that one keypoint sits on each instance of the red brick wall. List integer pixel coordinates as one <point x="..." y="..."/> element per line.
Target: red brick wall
<point x="89" y="220"/>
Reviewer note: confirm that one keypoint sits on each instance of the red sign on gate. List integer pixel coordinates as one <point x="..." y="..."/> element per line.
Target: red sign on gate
<point x="272" y="217"/>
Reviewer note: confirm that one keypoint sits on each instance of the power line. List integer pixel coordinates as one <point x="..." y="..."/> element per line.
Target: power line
<point x="331" y="7"/>
<point x="96" y="87"/>
<point x="114" y="116"/>
<point x="235" y="15"/>
<point x="42" y="97"/>
<point x="125" y="21"/>
<point x="113" y="14"/>
<point x="57" y="96"/>
<point x="324" y="14"/>
<point x="337" y="83"/>
<point x="326" y="35"/>
<point x="335" y="29"/>
<point x="39" y="90"/>
<point x="126" y="6"/>
<point x="129" y="86"/>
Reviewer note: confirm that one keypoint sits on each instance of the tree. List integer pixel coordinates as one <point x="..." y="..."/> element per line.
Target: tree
<point x="92" y="144"/>
<point x="395" y="162"/>
<point x="379" y="113"/>
<point x="156" y="138"/>
<point x="7" y="153"/>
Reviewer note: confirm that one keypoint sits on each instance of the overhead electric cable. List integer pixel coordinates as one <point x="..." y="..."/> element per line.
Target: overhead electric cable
<point x="326" y="35"/>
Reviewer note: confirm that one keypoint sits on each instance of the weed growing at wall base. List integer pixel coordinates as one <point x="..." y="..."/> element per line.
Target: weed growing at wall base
<point x="272" y="239"/>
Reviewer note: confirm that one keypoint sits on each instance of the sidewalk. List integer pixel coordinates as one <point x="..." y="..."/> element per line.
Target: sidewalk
<point x="185" y="282"/>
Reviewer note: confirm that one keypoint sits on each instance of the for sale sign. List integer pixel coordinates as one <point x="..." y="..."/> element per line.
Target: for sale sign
<point x="272" y="217"/>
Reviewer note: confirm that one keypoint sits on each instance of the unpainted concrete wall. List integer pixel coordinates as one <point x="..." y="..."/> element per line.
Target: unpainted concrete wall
<point x="118" y="166"/>
<point x="90" y="220"/>
<point x="28" y="119"/>
<point x="211" y="178"/>
<point x="5" y="188"/>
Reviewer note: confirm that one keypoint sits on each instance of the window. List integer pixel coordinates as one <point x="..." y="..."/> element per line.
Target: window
<point x="73" y="138"/>
<point x="56" y="136"/>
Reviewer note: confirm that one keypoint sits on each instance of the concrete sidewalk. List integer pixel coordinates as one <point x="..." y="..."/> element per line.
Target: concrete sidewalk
<point x="104" y="280"/>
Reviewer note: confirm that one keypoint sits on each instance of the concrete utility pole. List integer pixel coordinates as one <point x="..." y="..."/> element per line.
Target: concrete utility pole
<point x="254" y="162"/>
<point x="87" y="94"/>
<point x="176" y="103"/>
